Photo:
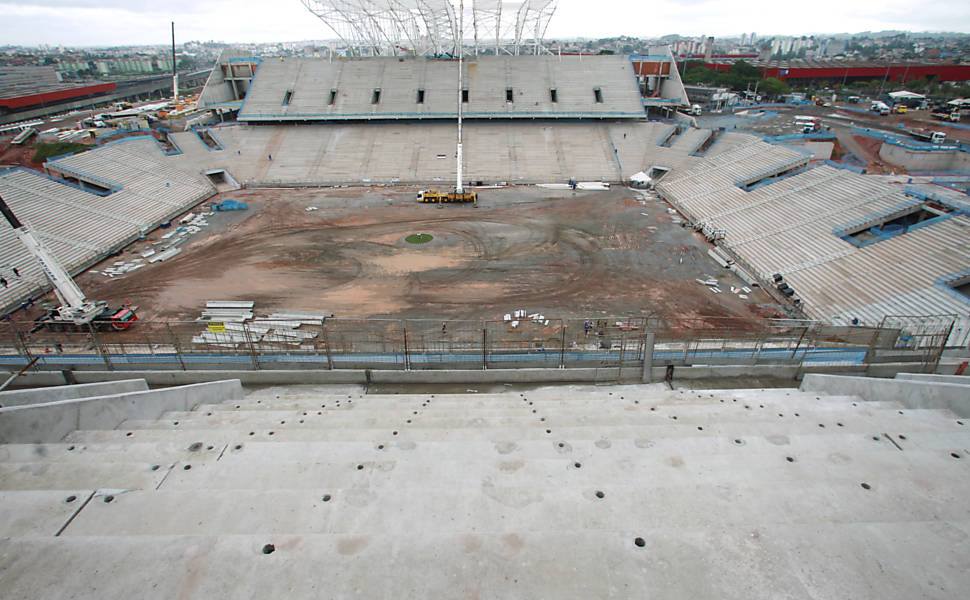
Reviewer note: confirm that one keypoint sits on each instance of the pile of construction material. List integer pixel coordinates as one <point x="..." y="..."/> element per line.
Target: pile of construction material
<point x="188" y="226"/>
<point x="230" y="323"/>
<point x="712" y="284"/>
<point x="167" y="247"/>
<point x="725" y="260"/>
<point x="515" y="317"/>
<point x="292" y="320"/>
<point x="170" y="244"/>
<point x="122" y="267"/>
<point x="674" y="216"/>
<point x="583" y="186"/>
<point x="228" y="311"/>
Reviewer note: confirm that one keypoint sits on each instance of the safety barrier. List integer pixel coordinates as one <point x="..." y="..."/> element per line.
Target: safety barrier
<point x="532" y="341"/>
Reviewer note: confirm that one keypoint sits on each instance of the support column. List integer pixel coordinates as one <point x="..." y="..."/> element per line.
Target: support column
<point x="647" y="374"/>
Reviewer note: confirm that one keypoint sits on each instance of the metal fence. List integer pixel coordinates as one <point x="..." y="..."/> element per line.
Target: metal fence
<point x="421" y="344"/>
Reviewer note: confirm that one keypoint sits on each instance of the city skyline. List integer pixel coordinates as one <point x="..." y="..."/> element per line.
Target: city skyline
<point x="135" y="23"/>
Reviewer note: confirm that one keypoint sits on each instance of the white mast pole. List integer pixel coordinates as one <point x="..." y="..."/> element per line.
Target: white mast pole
<point x="460" y="42"/>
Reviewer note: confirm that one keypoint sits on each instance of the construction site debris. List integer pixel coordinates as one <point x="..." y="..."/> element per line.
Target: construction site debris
<point x="232" y="322"/>
<point x="586" y="186"/>
<point x="231" y="304"/>
<point x="167" y="254"/>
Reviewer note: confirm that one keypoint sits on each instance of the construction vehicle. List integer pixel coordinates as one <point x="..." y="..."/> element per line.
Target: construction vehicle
<point x="436" y="197"/>
<point x="945" y="114"/>
<point x="933" y="137"/>
<point x="808" y="124"/>
<point x="458" y="195"/>
<point x="880" y="107"/>
<point x="75" y="311"/>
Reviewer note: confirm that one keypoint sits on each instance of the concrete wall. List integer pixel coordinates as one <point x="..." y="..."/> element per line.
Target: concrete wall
<point x="925" y="161"/>
<point x="820" y="150"/>
<point x="911" y="394"/>
<point x="954" y="379"/>
<point x="51" y="421"/>
<point x="553" y="375"/>
<point x="550" y="375"/>
<point x="71" y="392"/>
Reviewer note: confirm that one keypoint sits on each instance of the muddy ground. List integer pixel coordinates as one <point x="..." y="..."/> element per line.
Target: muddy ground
<point x="563" y="254"/>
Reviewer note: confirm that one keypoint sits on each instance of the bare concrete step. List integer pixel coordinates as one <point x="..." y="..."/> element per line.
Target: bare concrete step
<point x="456" y="419"/>
<point x="502" y="403"/>
<point x="202" y="450"/>
<point x="121" y="451"/>
<point x="90" y="475"/>
<point x="609" y="507"/>
<point x="821" y="560"/>
<point x="788" y="425"/>
<point x="565" y="394"/>
<point x="397" y="469"/>
<point x="39" y="513"/>
<point x="883" y="420"/>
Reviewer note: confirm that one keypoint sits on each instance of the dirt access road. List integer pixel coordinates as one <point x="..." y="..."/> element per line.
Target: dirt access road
<point x="564" y="254"/>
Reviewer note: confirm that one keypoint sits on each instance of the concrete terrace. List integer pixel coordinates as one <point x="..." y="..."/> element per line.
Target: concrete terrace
<point x="559" y="492"/>
<point x="516" y="152"/>
<point x="505" y="87"/>
<point x="799" y="227"/>
<point x="135" y="187"/>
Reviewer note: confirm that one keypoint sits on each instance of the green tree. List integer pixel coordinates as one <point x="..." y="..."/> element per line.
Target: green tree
<point x="773" y="86"/>
<point x="745" y="70"/>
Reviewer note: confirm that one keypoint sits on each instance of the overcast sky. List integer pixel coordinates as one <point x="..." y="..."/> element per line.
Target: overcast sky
<point x="116" y="22"/>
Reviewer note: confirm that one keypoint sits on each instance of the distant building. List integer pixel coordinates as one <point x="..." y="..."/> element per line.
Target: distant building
<point x="834" y="47"/>
<point x="23" y="88"/>
<point x="711" y="97"/>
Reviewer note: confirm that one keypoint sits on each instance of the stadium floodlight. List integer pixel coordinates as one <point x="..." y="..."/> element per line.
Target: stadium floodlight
<point x="430" y="27"/>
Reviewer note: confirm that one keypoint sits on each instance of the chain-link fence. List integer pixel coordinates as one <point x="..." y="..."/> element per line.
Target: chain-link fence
<point x="532" y="341"/>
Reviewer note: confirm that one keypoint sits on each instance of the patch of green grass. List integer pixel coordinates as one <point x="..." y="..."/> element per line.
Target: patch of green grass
<point x="419" y="238"/>
<point x="44" y="150"/>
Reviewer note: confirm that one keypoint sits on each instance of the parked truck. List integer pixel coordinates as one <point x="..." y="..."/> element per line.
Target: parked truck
<point x="933" y="137"/>
<point x="945" y="114"/>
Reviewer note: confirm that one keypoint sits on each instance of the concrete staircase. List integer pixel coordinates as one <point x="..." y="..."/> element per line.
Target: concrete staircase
<point x="557" y="492"/>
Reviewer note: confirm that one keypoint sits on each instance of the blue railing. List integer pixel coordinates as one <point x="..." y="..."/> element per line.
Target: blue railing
<point x="916" y="145"/>
<point x="793" y="137"/>
<point x="534" y="359"/>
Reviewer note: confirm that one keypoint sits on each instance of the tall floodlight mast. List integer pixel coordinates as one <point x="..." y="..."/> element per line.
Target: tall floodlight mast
<point x="175" y="73"/>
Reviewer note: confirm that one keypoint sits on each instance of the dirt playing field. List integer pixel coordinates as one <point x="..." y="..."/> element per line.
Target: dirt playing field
<point x="561" y="253"/>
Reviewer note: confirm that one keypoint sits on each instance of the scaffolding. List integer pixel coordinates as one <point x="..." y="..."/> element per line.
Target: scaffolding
<point x="430" y="27"/>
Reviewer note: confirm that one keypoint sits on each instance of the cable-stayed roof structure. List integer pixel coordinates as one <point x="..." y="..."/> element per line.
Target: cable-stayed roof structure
<point x="430" y="27"/>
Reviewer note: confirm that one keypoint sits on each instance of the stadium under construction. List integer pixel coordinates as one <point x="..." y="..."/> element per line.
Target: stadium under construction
<point x="652" y="357"/>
